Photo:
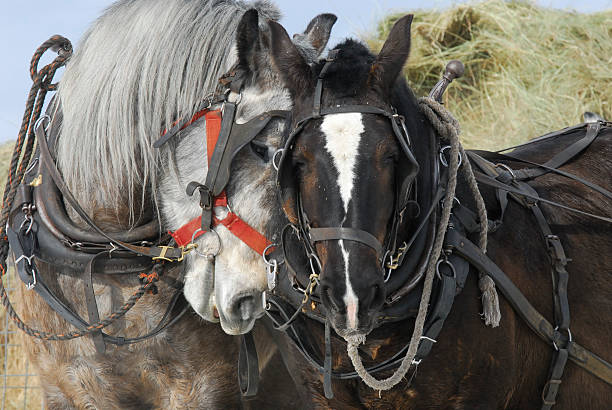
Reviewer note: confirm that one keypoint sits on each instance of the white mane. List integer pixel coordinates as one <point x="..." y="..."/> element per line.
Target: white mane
<point x="142" y="65"/>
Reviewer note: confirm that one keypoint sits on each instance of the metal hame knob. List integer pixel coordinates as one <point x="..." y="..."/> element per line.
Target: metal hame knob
<point x="454" y="69"/>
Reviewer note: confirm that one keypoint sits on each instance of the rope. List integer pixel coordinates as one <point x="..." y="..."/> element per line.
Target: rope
<point x="490" y="298"/>
<point x="447" y="128"/>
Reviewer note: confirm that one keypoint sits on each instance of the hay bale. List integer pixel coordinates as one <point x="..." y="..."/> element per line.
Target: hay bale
<point x="529" y="70"/>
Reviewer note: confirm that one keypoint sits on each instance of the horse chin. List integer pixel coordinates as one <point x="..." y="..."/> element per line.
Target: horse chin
<point x="237" y="326"/>
<point x="339" y="324"/>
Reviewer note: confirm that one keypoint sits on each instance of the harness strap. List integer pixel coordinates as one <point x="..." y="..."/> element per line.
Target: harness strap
<point x="351" y="234"/>
<point x="564" y="156"/>
<point x="538" y="323"/>
<point x="154" y="252"/>
<point x="248" y="366"/>
<point x="487" y="180"/>
<point x="218" y="130"/>
<point x="92" y="305"/>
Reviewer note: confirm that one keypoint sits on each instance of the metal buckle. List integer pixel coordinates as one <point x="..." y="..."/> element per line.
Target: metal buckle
<point x="28" y="259"/>
<point x="162" y="255"/>
<point x="569" y="336"/>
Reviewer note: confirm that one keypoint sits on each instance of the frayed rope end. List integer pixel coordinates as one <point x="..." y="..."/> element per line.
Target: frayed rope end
<point x="490" y="301"/>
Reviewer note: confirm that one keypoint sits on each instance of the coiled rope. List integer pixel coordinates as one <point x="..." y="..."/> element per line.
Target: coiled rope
<point x="448" y="130"/>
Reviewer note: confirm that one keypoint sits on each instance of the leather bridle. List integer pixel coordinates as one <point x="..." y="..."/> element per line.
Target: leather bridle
<point x="310" y="235"/>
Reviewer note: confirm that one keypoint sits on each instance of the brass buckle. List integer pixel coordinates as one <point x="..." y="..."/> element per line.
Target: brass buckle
<point x="184" y="251"/>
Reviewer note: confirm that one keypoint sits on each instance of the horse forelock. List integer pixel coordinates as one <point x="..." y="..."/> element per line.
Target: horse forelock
<point x="140" y="67"/>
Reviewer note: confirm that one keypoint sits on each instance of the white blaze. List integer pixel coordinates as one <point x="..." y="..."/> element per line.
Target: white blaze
<point x="343" y="134"/>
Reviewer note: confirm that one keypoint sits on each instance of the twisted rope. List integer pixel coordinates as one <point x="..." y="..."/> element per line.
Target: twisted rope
<point x="448" y="129"/>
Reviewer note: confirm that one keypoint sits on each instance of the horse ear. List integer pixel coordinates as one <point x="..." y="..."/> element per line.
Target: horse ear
<point x="318" y="31"/>
<point x="289" y="62"/>
<point x="247" y="38"/>
<point x="393" y="54"/>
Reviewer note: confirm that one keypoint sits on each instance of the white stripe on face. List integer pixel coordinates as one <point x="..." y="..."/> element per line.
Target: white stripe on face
<point x="343" y="134"/>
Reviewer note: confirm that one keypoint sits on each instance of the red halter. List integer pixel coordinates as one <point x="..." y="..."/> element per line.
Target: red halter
<point x="243" y="231"/>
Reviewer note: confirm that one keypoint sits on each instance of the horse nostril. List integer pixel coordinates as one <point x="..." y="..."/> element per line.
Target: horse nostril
<point x="327" y="295"/>
<point x="376" y="298"/>
<point x="245" y="307"/>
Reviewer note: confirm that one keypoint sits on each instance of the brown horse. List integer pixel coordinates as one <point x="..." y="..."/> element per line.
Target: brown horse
<point x="340" y="176"/>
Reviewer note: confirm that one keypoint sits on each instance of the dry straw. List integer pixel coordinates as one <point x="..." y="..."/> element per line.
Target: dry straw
<point x="529" y="70"/>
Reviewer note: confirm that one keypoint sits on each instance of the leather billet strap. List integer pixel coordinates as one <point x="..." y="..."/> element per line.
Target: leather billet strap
<point x="492" y="182"/>
<point x="481" y="157"/>
<point x="538" y="323"/>
<point x="564" y="156"/>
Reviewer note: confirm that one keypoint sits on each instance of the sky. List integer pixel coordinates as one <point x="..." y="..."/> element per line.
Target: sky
<point x="24" y="25"/>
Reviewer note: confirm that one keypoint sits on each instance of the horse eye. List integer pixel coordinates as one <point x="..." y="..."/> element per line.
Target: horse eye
<point x="390" y="159"/>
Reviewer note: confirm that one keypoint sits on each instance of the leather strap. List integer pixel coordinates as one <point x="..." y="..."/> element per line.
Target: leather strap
<point x="327" y="364"/>
<point x="551" y="388"/>
<point x="564" y="156"/>
<point x="92" y="305"/>
<point x="163" y="252"/>
<point x="542" y="327"/>
<point x="245" y="233"/>
<point x="487" y="180"/>
<point x="350" y="234"/>
<point x="248" y="366"/>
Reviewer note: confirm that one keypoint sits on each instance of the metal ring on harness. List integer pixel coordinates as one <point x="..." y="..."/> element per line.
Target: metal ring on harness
<point x="569" y="335"/>
<point x="506" y="168"/>
<point x="264" y="254"/>
<point x="452" y="267"/>
<point x="28" y="259"/>
<point x="213" y="254"/>
<point x="443" y="158"/>
<point x="41" y="119"/>
<point x="274" y="164"/>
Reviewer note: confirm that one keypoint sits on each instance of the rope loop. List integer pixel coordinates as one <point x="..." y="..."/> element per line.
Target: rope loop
<point x="43" y="78"/>
<point x="448" y="130"/>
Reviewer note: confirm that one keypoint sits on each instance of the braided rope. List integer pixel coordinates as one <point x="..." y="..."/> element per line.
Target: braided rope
<point x="448" y="129"/>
